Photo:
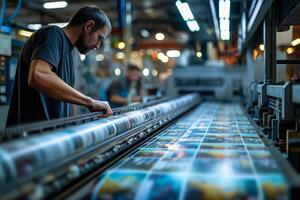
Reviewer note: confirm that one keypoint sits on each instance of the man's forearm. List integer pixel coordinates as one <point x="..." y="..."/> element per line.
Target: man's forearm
<point x="51" y="85"/>
<point x="117" y="99"/>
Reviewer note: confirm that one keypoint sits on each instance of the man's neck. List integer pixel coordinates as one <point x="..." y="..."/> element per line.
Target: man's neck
<point x="72" y="33"/>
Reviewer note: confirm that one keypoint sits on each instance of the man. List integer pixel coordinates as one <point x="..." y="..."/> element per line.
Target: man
<point x="127" y="89"/>
<point x="43" y="87"/>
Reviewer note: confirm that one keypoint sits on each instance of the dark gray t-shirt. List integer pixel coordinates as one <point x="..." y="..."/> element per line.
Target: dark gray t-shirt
<point x="27" y="104"/>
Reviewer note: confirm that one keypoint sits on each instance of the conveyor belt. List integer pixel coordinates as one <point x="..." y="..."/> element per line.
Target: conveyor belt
<point x="213" y="153"/>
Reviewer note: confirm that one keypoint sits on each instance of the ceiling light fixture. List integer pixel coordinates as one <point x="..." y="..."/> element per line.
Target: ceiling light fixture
<point x="159" y="36"/>
<point x="187" y="15"/>
<point x="55" y="4"/>
<point x="224" y="14"/>
<point x="173" y="53"/>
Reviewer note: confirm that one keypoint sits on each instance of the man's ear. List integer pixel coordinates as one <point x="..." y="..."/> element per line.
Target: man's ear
<point x="89" y="25"/>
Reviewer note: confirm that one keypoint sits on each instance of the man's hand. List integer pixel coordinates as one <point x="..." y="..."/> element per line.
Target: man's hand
<point x="96" y="106"/>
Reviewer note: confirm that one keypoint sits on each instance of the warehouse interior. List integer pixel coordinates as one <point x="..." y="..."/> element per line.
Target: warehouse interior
<point x="213" y="111"/>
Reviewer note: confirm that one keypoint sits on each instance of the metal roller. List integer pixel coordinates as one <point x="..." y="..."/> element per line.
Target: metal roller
<point x="22" y="157"/>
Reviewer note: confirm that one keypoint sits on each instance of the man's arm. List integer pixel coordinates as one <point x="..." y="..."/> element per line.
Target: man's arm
<point x="44" y="80"/>
<point x="117" y="99"/>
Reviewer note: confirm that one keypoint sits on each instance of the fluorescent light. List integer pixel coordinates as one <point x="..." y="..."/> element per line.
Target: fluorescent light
<point x="159" y="36"/>
<point x="225" y="35"/>
<point x="296" y="42"/>
<point x="25" y="33"/>
<point x="193" y="25"/>
<point x="185" y="10"/>
<point x="173" y="53"/>
<point x="224" y="25"/>
<point x="34" y="26"/>
<point x="224" y="9"/>
<point x="55" y="4"/>
<point x="146" y="72"/>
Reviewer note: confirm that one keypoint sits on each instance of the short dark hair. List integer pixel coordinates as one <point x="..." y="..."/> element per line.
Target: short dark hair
<point x="90" y="13"/>
<point x="132" y="67"/>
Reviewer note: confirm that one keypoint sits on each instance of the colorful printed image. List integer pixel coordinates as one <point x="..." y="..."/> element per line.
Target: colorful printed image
<point x="160" y="186"/>
<point x="158" y="144"/>
<point x="138" y="163"/>
<point x="225" y="167"/>
<point x="207" y="188"/>
<point x="223" y="130"/>
<point x="216" y="146"/>
<point x="187" y="145"/>
<point x="172" y="165"/>
<point x="222" y="139"/>
<point x="265" y="166"/>
<point x="118" y="185"/>
<point x="251" y="139"/>
<point x="191" y="139"/>
<point x="222" y="154"/>
<point x="274" y="187"/>
<point x="247" y="131"/>
<point x="178" y="154"/>
<point x="253" y="147"/>
<point x="166" y="139"/>
<point x="262" y="154"/>
<point x="151" y="153"/>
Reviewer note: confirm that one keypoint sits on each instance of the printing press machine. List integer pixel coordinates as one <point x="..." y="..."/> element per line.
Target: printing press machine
<point x="175" y="148"/>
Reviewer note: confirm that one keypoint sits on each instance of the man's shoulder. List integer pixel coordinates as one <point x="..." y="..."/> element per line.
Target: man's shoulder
<point x="51" y="30"/>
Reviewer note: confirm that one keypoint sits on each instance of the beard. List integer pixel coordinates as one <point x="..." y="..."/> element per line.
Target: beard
<point x="82" y="48"/>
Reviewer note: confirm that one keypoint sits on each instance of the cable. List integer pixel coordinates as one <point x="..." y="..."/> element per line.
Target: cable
<point x="17" y="10"/>
<point x="2" y="11"/>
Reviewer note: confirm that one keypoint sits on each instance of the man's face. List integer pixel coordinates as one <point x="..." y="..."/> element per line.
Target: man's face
<point x="90" y="39"/>
<point x="133" y="75"/>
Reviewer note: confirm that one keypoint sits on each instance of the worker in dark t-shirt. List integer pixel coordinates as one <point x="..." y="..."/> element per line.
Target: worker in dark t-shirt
<point x="43" y="87"/>
<point x="125" y="90"/>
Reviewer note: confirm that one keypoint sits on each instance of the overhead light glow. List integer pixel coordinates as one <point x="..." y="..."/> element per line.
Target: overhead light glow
<point x="146" y="72"/>
<point x="224" y="15"/>
<point x="193" y="25"/>
<point x="82" y="57"/>
<point x="25" y="33"/>
<point x="184" y="10"/>
<point x="120" y="55"/>
<point x="159" y="36"/>
<point x="290" y="50"/>
<point x="117" y="71"/>
<point x="160" y="55"/>
<point x="34" y="26"/>
<point x="296" y="42"/>
<point x="154" y="72"/>
<point x="165" y="59"/>
<point x="224" y="9"/>
<point x="145" y="33"/>
<point x="199" y="54"/>
<point x="262" y="47"/>
<point x="121" y="45"/>
<point x="60" y="24"/>
<point x="173" y="53"/>
<point x="225" y="35"/>
<point x="224" y="25"/>
<point x="55" y="4"/>
<point x="99" y="57"/>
